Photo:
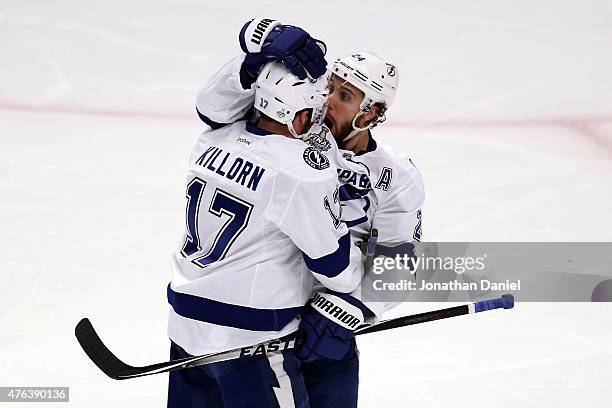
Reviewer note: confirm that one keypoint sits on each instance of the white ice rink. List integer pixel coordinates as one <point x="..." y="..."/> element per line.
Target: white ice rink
<point x="505" y="106"/>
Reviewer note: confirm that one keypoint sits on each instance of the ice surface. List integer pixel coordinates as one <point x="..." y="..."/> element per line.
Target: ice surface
<point x="506" y="107"/>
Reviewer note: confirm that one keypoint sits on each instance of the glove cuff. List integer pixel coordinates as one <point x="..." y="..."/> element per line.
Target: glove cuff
<point x="338" y="310"/>
<point x="254" y="33"/>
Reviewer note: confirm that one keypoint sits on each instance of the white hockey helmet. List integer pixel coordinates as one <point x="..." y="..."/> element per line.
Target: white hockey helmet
<point x="375" y="77"/>
<point x="280" y="95"/>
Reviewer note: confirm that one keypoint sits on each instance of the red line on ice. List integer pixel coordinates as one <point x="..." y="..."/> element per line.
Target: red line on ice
<point x="583" y="125"/>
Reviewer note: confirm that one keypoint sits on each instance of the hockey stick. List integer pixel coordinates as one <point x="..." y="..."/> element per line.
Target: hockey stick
<point x="505" y="302"/>
<point x="118" y="370"/>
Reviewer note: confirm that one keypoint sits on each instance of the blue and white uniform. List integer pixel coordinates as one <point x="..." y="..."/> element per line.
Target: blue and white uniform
<point x="262" y="223"/>
<point x="389" y="198"/>
<point x="380" y="188"/>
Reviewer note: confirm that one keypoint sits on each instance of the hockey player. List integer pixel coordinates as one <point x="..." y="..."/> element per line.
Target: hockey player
<point x="386" y="195"/>
<point x="389" y="198"/>
<point x="262" y="223"/>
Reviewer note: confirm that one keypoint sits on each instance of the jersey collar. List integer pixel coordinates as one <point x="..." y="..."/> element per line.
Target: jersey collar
<point x="251" y="128"/>
<point x="371" y="145"/>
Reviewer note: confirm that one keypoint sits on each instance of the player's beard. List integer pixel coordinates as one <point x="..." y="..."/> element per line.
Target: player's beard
<point x="339" y="131"/>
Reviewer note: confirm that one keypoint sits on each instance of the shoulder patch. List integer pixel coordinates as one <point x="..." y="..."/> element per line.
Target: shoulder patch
<point x="315" y="159"/>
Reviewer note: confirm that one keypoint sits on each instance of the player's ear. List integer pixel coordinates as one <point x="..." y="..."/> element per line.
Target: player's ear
<point x="371" y="114"/>
<point x="301" y="121"/>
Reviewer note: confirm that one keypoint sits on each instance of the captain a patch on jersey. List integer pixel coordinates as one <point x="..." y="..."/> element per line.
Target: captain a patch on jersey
<point x="315" y="159"/>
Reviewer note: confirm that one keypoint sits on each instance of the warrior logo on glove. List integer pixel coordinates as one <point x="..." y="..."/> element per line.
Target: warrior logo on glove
<point x="339" y="315"/>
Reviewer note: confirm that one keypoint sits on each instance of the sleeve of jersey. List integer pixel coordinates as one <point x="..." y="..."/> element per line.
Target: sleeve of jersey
<point x="377" y="308"/>
<point x="222" y="100"/>
<point x="377" y="301"/>
<point x="399" y="218"/>
<point x="312" y="220"/>
<point x="399" y="223"/>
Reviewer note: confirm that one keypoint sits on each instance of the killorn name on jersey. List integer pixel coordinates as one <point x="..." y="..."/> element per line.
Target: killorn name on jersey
<point x="240" y="170"/>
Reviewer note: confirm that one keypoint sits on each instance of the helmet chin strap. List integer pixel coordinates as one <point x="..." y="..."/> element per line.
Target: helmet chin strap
<point x="365" y="102"/>
<point x="304" y="136"/>
<point x="292" y="130"/>
<point x="356" y="129"/>
<point x="316" y="119"/>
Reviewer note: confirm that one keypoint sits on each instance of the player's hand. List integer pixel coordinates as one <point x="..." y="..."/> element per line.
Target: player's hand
<point x="327" y="327"/>
<point x="265" y="40"/>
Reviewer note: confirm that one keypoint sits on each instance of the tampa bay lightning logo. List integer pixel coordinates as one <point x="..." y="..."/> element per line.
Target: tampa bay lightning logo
<point x="390" y="69"/>
<point x="315" y="159"/>
<point x="319" y="140"/>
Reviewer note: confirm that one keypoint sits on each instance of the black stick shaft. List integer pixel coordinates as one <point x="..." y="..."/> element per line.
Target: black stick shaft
<point x="415" y="319"/>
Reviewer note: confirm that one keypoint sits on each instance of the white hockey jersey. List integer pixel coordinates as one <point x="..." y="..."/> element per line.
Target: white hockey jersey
<point x="389" y="198"/>
<point x="380" y="189"/>
<point x="262" y="221"/>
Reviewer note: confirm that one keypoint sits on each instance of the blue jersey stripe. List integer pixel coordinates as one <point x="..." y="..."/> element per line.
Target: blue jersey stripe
<point x="348" y="192"/>
<point x="252" y="128"/>
<point x="358" y="221"/>
<point x="213" y="125"/>
<point x="226" y="314"/>
<point x="333" y="264"/>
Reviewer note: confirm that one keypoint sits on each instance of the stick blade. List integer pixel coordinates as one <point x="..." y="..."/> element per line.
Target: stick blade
<point x="98" y="352"/>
